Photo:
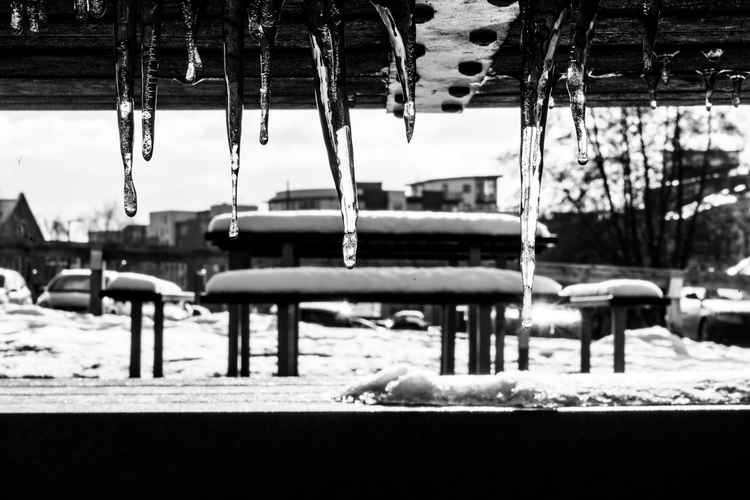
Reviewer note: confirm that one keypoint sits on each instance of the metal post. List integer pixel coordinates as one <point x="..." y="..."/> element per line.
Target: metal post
<point x="136" y="315"/>
<point x="448" y="340"/>
<point x="619" y="321"/>
<point x="586" y="320"/>
<point x="158" y="368"/>
<point x="499" y="338"/>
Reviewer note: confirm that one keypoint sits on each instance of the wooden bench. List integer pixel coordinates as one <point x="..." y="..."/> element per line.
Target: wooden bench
<point x="444" y="286"/>
<point x="619" y="296"/>
<point x="139" y="289"/>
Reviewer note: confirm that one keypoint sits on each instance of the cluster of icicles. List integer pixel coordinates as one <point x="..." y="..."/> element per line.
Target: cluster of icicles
<point x="261" y="18"/>
<point x="542" y="23"/>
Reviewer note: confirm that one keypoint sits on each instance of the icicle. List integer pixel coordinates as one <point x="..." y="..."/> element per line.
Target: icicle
<point x="32" y="15"/>
<point x="710" y="72"/>
<point x="398" y="18"/>
<point x="81" y="9"/>
<point x="263" y="19"/>
<point x="584" y="14"/>
<point x="234" y="40"/>
<point x="189" y="11"/>
<point x="150" y="39"/>
<point x="660" y="70"/>
<point x="737" y="78"/>
<point x="540" y="33"/>
<point x="16" y="16"/>
<point x="650" y="13"/>
<point x="327" y="43"/>
<point x="41" y="6"/>
<point x="125" y="47"/>
<point x="97" y="8"/>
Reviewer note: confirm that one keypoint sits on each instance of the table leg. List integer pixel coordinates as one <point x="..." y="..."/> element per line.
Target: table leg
<point x="158" y="369"/>
<point x="136" y="316"/>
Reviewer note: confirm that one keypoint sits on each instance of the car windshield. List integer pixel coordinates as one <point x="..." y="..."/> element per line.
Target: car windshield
<point x="71" y="284"/>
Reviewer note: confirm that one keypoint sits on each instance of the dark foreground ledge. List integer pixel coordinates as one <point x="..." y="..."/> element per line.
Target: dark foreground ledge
<point x="285" y="438"/>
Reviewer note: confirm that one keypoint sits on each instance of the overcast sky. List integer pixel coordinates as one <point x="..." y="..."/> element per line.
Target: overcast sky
<point x="68" y="163"/>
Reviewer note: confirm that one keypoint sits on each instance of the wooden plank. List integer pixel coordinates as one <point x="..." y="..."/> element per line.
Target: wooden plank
<point x="136" y="316"/>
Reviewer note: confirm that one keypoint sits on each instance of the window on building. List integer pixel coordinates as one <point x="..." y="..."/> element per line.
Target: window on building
<point x="467" y="188"/>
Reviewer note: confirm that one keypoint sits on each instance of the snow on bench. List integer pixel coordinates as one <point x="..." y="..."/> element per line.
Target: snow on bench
<point x="142" y="285"/>
<point x="440" y="283"/>
<point x="377" y="222"/>
<point x="613" y="288"/>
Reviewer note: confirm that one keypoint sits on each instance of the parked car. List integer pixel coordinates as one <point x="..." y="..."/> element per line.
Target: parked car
<point x="717" y="314"/>
<point x="409" y="320"/>
<point x="322" y="314"/>
<point x="70" y="290"/>
<point x="13" y="289"/>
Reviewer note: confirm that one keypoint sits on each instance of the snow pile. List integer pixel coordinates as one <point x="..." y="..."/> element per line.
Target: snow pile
<point x="614" y="288"/>
<point x="403" y="386"/>
<point x="322" y="280"/>
<point x="662" y="368"/>
<point x="377" y="222"/>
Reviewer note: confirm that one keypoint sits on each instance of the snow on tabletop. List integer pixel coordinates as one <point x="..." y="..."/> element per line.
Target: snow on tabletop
<point x="615" y="288"/>
<point x="377" y="222"/>
<point x="376" y="280"/>
<point x="143" y="282"/>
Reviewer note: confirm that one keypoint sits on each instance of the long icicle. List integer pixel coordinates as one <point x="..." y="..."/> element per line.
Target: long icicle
<point x="263" y="20"/>
<point x="125" y="48"/>
<point x="189" y="10"/>
<point x="234" y="41"/>
<point x="97" y="8"/>
<point x="398" y="18"/>
<point x="650" y="14"/>
<point x="538" y="42"/>
<point x="16" y="16"/>
<point x="709" y="73"/>
<point x="737" y="78"/>
<point x="584" y="14"/>
<point x="327" y="44"/>
<point x="150" y="40"/>
<point x="81" y="10"/>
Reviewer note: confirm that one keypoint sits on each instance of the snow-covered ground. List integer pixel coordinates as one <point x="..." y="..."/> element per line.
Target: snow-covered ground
<point x="36" y="342"/>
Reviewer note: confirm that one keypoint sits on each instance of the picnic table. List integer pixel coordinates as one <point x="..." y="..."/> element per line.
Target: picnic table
<point x="444" y="286"/>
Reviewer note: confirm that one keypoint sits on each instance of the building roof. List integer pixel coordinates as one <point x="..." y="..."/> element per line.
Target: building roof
<point x="303" y="194"/>
<point x="442" y="179"/>
<point x="6" y="208"/>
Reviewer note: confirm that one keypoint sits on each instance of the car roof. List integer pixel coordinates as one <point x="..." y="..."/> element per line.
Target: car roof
<point x="84" y="272"/>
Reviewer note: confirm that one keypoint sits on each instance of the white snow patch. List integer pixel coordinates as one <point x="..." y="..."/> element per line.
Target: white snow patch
<point x="377" y="222"/>
<point x="376" y="280"/>
<point x="614" y="288"/>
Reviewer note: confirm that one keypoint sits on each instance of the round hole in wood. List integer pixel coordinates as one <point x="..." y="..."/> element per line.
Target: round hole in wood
<point x="470" y="68"/>
<point x="458" y="90"/>
<point x="451" y="107"/>
<point x="423" y="12"/>
<point x="419" y="50"/>
<point x="501" y="3"/>
<point x="398" y="97"/>
<point x="483" y="36"/>
<point x="398" y="111"/>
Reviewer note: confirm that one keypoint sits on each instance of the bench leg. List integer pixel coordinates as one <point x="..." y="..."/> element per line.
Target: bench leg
<point x="232" y="337"/>
<point x="619" y="320"/>
<point x="471" y="333"/>
<point x="586" y="319"/>
<point x="288" y="328"/>
<point x="499" y="338"/>
<point x="245" y="340"/>
<point x="136" y="316"/>
<point x="484" y="336"/>
<point x="448" y="340"/>
<point x="158" y="339"/>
